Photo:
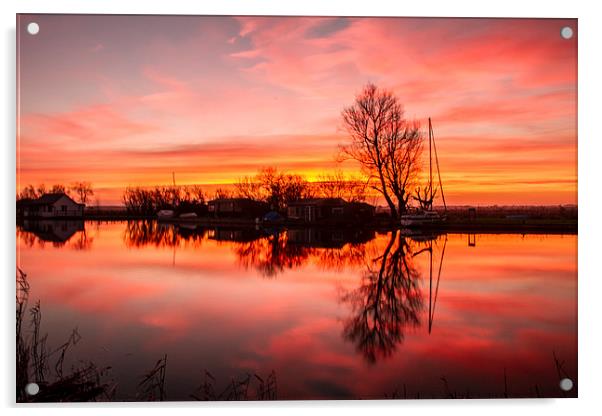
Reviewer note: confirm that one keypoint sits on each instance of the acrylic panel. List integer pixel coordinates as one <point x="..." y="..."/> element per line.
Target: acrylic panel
<point x="295" y="208"/>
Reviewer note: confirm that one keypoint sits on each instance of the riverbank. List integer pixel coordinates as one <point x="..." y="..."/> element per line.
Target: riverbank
<point x="477" y="226"/>
<point x="464" y="219"/>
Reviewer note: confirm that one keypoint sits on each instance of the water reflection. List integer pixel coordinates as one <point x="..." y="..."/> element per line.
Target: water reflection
<point x="387" y="301"/>
<point x="267" y="251"/>
<point x="139" y="234"/>
<point x="58" y="233"/>
<point x="272" y="255"/>
<point x="345" y="313"/>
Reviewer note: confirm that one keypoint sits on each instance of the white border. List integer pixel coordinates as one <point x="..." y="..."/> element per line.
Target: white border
<point x="590" y="136"/>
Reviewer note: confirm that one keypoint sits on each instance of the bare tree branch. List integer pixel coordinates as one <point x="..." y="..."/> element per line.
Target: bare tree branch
<point x="386" y="145"/>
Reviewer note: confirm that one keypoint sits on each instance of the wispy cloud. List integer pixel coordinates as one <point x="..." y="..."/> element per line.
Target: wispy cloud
<point x="218" y="97"/>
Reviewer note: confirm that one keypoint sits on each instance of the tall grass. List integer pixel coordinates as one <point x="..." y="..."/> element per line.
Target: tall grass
<point x="248" y="387"/>
<point x="34" y="360"/>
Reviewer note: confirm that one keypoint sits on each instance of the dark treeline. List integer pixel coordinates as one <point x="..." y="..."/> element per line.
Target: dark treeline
<point x="147" y="201"/>
<point x="269" y="185"/>
<point x="278" y="189"/>
<point x="81" y="191"/>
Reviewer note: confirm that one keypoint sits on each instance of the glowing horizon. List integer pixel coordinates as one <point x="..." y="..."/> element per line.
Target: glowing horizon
<point x="127" y="100"/>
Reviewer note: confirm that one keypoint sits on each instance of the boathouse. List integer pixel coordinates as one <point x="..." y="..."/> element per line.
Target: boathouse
<point x="52" y="205"/>
<point x="329" y="209"/>
<point x="237" y="207"/>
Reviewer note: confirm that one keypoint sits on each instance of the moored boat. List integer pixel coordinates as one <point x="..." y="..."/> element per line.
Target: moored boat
<point x="427" y="216"/>
<point x="165" y="213"/>
<point x="422" y="218"/>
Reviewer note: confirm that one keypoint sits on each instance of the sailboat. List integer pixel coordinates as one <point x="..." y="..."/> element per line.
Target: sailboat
<point x="428" y="216"/>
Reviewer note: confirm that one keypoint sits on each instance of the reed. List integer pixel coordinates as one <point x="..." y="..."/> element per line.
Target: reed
<point x="247" y="387"/>
<point x="152" y="385"/>
<point x="34" y="360"/>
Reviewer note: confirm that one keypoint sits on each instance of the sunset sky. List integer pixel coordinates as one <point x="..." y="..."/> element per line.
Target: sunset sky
<point x="126" y="100"/>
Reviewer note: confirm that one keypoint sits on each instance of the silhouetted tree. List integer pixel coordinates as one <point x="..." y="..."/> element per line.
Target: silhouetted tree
<point x="31" y="192"/>
<point x="248" y="187"/>
<point x="28" y="192"/>
<point x="386" y="145"/>
<point x="83" y="190"/>
<point x="274" y="187"/>
<point x="147" y="201"/>
<point x="222" y="193"/>
<point x="59" y="189"/>
<point x="424" y="197"/>
<point x="336" y="185"/>
<point x="41" y="190"/>
<point x="193" y="194"/>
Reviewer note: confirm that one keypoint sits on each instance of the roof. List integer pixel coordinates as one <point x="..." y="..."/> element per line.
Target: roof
<point x="51" y="198"/>
<point x="318" y="201"/>
<point x="46" y="199"/>
<point x="213" y="201"/>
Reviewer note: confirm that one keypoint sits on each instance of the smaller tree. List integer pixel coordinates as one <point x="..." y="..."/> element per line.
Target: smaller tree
<point x="274" y="187"/>
<point x="28" y="192"/>
<point x="222" y="193"/>
<point x="58" y="189"/>
<point x="83" y="191"/>
<point x="424" y="197"/>
<point x="32" y="192"/>
<point x="41" y="190"/>
<point x="336" y="185"/>
<point x="193" y="194"/>
<point x="248" y="187"/>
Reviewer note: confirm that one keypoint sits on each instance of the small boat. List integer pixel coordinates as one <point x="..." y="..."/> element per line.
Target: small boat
<point x="427" y="216"/>
<point x="165" y="213"/>
<point x="190" y="227"/>
<point x="422" y="218"/>
<point x="188" y="215"/>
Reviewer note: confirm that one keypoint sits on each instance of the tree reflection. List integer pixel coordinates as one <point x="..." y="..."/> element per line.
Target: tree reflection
<point x="142" y="233"/>
<point x="272" y="255"/>
<point x="387" y="301"/>
<point x="83" y="241"/>
<point x="338" y="259"/>
<point x="290" y="249"/>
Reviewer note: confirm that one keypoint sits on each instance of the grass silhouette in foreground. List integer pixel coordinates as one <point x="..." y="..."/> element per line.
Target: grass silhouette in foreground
<point x="35" y="359"/>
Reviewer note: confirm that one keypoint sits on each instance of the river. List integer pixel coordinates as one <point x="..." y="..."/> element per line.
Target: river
<point x="314" y="313"/>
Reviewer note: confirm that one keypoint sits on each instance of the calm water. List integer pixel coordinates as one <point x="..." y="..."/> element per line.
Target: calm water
<point x="334" y="314"/>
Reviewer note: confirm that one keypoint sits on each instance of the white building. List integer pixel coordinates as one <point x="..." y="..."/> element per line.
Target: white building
<point x="50" y="206"/>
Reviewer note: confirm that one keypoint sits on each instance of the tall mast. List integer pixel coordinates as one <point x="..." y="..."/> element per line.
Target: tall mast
<point x="173" y="198"/>
<point x="430" y="165"/>
<point x="437" y="160"/>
